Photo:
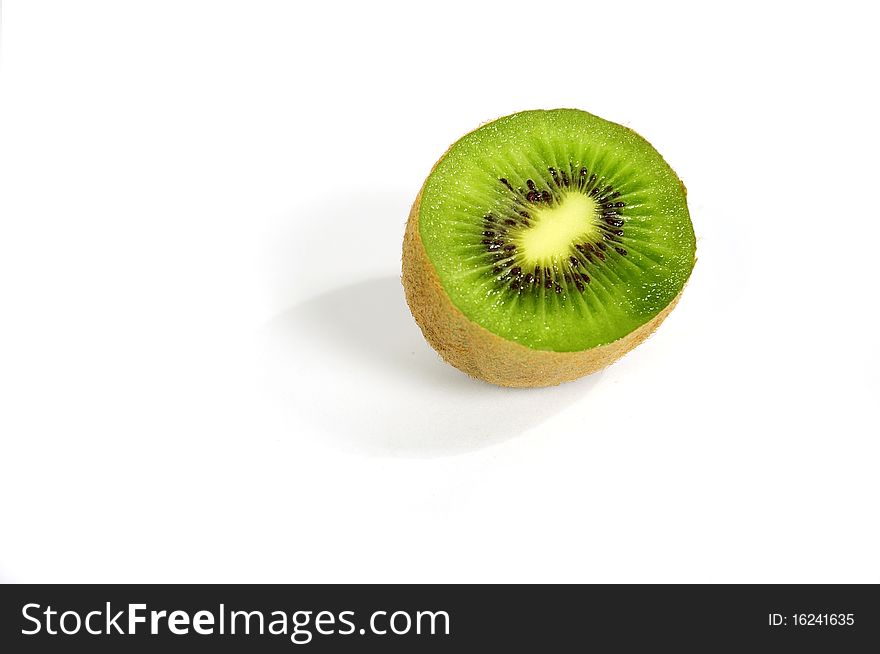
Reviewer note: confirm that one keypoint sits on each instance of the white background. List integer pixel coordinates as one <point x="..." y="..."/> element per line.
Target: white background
<point x="208" y="371"/>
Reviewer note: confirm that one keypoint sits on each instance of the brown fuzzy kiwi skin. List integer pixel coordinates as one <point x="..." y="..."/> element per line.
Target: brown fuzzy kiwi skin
<point x="478" y="352"/>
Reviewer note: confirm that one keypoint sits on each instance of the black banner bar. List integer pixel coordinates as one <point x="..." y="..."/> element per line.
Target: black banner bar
<point x="437" y="618"/>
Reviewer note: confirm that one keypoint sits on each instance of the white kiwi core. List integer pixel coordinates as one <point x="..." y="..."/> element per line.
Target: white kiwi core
<point x="554" y="229"/>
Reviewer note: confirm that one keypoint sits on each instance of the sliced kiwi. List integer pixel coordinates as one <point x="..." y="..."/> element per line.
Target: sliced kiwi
<point x="545" y="245"/>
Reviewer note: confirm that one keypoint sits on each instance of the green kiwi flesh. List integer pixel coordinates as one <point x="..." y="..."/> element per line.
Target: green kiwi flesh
<point x="557" y="230"/>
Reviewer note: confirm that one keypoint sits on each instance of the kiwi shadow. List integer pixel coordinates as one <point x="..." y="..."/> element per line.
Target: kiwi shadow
<point x="377" y="387"/>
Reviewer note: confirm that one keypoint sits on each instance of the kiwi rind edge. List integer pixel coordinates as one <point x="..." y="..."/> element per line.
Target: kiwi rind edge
<point x="478" y="352"/>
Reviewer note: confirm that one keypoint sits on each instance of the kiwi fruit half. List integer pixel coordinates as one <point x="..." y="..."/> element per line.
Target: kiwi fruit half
<point x="545" y="245"/>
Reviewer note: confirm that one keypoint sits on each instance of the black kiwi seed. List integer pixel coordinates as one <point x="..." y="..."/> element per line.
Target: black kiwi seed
<point x="621" y="251"/>
<point x="553" y="174"/>
<point x="507" y="184"/>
